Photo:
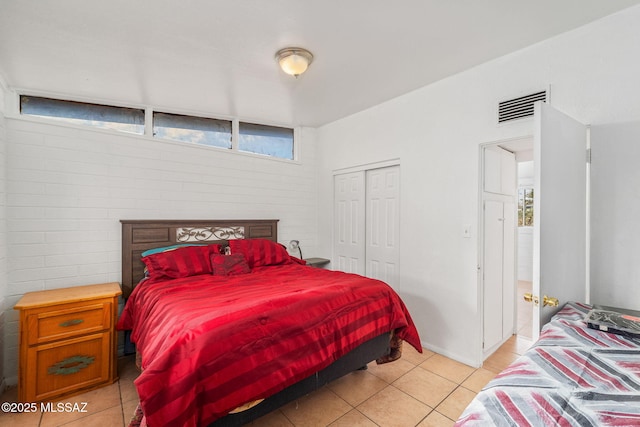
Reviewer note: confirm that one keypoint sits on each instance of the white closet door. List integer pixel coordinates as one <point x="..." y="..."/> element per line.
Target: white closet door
<point x="493" y="170"/>
<point x="493" y="272"/>
<point x="383" y="224"/>
<point x="349" y="233"/>
<point x="499" y="271"/>
<point x="499" y="246"/>
<point x="509" y="269"/>
<point x="499" y="171"/>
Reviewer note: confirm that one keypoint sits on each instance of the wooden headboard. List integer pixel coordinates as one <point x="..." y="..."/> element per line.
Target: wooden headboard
<point x="141" y="235"/>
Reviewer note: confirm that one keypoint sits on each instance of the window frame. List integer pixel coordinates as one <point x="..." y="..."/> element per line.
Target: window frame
<point x="521" y="198"/>
<point x="153" y="135"/>
<point x="148" y="123"/>
<point x="293" y="140"/>
<point x="91" y="107"/>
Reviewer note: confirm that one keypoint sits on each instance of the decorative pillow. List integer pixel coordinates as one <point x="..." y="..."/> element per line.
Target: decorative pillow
<point x="259" y="252"/>
<point x="180" y="262"/>
<point x="229" y="265"/>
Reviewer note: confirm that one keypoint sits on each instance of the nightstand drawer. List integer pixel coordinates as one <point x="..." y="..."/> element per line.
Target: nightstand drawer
<point x="68" y="342"/>
<point x="68" y="320"/>
<point x="63" y="366"/>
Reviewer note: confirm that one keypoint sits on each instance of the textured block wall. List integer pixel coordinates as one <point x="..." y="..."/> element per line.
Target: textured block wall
<point x="68" y="187"/>
<point x="3" y="236"/>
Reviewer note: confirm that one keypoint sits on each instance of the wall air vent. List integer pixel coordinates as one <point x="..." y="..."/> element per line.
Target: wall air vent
<point x="518" y="108"/>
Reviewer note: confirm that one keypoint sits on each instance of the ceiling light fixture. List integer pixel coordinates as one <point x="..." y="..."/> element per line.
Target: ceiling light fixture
<point x="294" y="60"/>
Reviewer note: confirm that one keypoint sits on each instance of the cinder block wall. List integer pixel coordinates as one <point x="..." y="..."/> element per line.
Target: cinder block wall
<point x="67" y="188"/>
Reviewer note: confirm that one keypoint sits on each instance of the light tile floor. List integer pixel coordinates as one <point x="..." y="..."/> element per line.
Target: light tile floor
<point x="423" y="390"/>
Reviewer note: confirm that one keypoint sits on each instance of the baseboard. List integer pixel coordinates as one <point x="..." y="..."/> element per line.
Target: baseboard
<point x="9" y="382"/>
<point x="488" y="352"/>
<point x="450" y="355"/>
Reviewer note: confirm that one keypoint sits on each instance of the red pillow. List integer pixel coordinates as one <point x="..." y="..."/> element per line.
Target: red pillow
<point x="181" y="262"/>
<point x="259" y="252"/>
<point x="229" y="265"/>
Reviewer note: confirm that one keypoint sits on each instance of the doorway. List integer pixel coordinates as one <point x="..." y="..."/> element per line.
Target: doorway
<point x="524" y="233"/>
<point x="560" y="246"/>
<point x="506" y="260"/>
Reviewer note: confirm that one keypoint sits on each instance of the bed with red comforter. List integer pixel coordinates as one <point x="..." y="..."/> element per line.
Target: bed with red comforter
<point x="211" y="343"/>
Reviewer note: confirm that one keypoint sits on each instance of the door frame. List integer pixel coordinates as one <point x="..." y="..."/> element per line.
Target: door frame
<point x="525" y="140"/>
<point x="366" y="166"/>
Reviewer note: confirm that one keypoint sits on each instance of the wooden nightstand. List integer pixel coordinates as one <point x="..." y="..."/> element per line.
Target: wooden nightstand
<point x="317" y="262"/>
<point x="67" y="340"/>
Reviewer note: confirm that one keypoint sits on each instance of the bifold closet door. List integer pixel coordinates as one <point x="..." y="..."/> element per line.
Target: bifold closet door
<point x="349" y="222"/>
<point x="367" y="223"/>
<point x="383" y="224"/>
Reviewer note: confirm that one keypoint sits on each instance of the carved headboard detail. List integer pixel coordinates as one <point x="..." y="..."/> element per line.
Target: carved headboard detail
<point x="208" y="234"/>
<point x="141" y="235"/>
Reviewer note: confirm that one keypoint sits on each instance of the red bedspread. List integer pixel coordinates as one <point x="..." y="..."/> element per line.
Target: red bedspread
<point x="212" y="343"/>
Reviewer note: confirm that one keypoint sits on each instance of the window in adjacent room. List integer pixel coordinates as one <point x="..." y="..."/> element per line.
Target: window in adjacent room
<point x="525" y="207"/>
<point x="199" y="130"/>
<point x="267" y="140"/>
<point x="96" y="115"/>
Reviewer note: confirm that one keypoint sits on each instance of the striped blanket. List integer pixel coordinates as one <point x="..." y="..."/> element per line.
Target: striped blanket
<point x="572" y="376"/>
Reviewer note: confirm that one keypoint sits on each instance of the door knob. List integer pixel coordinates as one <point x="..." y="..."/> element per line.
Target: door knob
<point x="550" y="301"/>
<point x="529" y="297"/>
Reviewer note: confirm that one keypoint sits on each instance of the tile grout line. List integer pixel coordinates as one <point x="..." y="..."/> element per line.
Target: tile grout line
<point x="434" y="409"/>
<point x="124" y="421"/>
<point x="413" y="364"/>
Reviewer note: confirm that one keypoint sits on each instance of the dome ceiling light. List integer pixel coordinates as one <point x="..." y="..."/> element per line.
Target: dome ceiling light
<point x="294" y="60"/>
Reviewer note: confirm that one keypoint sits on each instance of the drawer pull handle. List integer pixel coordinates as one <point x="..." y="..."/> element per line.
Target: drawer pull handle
<point x="71" y="322"/>
<point x="70" y="365"/>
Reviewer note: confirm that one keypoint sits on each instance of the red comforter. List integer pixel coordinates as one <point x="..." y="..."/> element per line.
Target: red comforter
<point x="212" y="343"/>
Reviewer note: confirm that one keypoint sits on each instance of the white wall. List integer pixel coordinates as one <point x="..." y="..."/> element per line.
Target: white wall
<point x="435" y="131"/>
<point x="615" y="215"/>
<point x="3" y="236"/>
<point x="68" y="187"/>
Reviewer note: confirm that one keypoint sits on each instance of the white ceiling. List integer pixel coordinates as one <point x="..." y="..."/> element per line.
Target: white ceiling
<point x="216" y="57"/>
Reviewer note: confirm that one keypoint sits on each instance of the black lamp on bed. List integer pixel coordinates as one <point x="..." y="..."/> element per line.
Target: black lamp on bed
<point x="294" y="249"/>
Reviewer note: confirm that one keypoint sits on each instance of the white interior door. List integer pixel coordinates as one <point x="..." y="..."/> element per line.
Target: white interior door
<point x="499" y="246"/>
<point x="509" y="277"/>
<point x="383" y="224"/>
<point x="349" y="220"/>
<point x="493" y="273"/>
<point x="559" y="234"/>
